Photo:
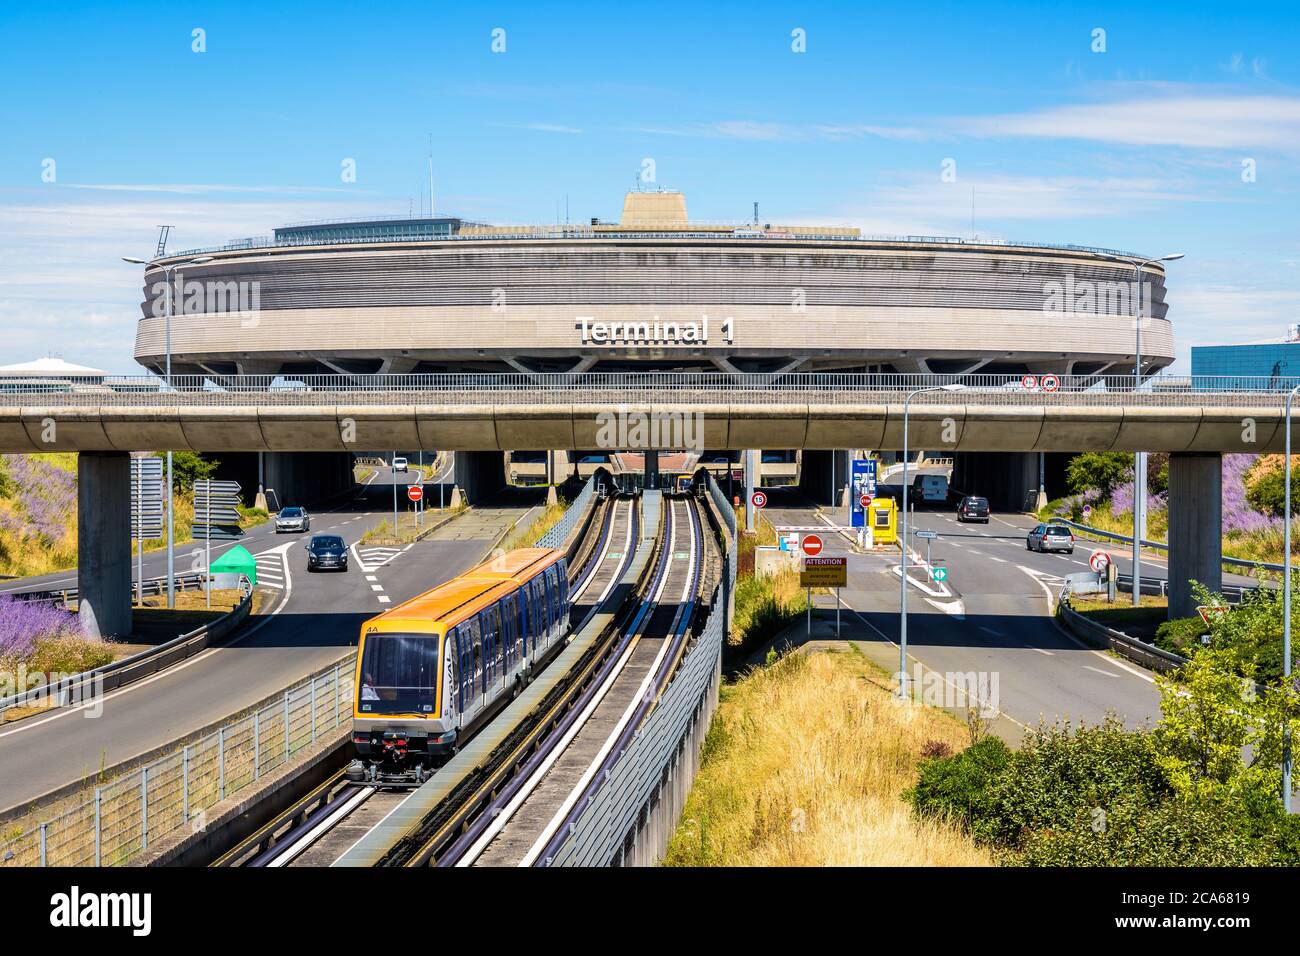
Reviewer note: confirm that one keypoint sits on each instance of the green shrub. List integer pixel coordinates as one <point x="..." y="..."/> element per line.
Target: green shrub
<point x="1102" y="470"/>
<point x="1062" y="770"/>
<point x="1182" y="635"/>
<point x="958" y="787"/>
<point x="1130" y="833"/>
<point x="1267" y="492"/>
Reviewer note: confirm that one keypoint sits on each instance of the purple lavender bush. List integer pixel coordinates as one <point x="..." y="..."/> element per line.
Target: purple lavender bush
<point x="24" y="623"/>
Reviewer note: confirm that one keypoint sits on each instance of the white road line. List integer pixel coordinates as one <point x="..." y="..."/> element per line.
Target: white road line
<point x="384" y="599"/>
<point x="1097" y="670"/>
<point x="1051" y="605"/>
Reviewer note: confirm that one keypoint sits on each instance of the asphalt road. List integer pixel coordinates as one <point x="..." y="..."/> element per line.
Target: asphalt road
<point x="992" y="618"/>
<point x="308" y="621"/>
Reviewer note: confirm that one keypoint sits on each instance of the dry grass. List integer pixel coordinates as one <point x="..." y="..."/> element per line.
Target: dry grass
<point x="529" y="536"/>
<point x="805" y="764"/>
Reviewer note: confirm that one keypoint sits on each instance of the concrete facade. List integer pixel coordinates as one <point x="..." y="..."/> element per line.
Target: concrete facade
<point x="1195" y="528"/>
<point x="757" y="297"/>
<point x="104" y="542"/>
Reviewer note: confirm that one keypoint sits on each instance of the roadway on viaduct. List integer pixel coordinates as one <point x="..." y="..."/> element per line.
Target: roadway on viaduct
<point x="540" y="419"/>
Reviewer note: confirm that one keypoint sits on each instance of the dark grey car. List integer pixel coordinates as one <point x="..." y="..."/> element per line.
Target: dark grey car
<point x="326" y="551"/>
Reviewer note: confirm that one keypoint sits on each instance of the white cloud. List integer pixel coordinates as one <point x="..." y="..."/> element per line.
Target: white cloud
<point x="1194" y="121"/>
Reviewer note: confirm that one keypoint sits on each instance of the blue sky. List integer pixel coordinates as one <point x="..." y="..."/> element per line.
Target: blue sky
<point x="1140" y="147"/>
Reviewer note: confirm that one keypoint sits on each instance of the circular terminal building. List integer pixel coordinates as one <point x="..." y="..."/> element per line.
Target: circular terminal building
<point x="653" y="291"/>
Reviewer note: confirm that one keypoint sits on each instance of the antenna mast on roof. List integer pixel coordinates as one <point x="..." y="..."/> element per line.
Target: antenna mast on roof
<point x="430" y="175"/>
<point x="162" y="241"/>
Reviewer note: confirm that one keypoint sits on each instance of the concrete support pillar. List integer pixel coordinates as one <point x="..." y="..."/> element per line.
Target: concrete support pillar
<point x="750" y="459"/>
<point x="104" y="542"/>
<point x="1195" y="527"/>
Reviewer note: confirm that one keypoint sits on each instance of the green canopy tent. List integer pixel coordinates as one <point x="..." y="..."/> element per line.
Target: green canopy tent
<point x="235" y="562"/>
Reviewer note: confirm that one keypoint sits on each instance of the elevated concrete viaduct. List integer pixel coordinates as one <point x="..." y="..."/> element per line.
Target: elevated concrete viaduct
<point x="1195" y="428"/>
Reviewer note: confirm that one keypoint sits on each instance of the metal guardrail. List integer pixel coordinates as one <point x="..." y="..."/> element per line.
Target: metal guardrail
<point x="664" y="752"/>
<point x="1107" y="638"/>
<point x="1161" y="545"/>
<point x="558" y="536"/>
<point x="548" y="231"/>
<point x="476" y="388"/>
<point x="151" y="587"/>
<point x="88" y="684"/>
<point x="111" y="824"/>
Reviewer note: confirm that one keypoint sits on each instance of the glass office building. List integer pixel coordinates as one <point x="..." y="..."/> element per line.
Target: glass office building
<point x="1278" y="362"/>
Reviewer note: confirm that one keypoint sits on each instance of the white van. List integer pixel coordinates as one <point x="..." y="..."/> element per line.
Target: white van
<point x="399" y="464"/>
<point x="930" y="489"/>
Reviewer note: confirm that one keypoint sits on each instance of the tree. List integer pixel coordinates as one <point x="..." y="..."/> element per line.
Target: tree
<point x="189" y="467"/>
<point x="1102" y="470"/>
<point x="1267" y="492"/>
<point x="1211" y="711"/>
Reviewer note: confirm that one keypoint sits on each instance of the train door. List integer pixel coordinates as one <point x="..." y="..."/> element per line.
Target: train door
<point x="475" y="671"/>
<point x="553" y="600"/>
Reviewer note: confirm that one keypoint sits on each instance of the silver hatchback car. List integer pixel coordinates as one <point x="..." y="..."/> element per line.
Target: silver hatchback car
<point x="1050" y="537"/>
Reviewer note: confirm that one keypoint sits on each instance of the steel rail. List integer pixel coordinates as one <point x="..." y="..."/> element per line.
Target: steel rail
<point x="558" y="830"/>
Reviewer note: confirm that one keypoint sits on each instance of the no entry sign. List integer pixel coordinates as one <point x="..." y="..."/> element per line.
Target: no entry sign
<point x="812" y="545"/>
<point x="414" y="492"/>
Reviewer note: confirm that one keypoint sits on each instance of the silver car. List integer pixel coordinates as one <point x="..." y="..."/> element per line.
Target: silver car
<point x="1050" y="537"/>
<point x="292" y="519"/>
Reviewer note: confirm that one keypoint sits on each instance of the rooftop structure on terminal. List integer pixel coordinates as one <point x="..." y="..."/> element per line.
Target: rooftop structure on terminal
<point x="653" y="291"/>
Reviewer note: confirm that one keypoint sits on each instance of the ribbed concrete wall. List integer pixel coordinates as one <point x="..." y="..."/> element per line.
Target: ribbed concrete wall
<point x="463" y="301"/>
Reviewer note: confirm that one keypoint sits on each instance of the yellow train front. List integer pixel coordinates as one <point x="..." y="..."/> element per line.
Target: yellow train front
<point x="433" y="669"/>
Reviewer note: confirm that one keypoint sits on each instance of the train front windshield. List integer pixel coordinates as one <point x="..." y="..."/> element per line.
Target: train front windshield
<point x="399" y="674"/>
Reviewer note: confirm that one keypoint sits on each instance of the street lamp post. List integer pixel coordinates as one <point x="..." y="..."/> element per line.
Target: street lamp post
<point x="167" y="348"/>
<point x="1139" y="457"/>
<point x="1286" y="606"/>
<point x="905" y="560"/>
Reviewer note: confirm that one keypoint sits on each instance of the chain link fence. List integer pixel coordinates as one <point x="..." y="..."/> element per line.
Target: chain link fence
<point x="112" y="823"/>
<point x="558" y="536"/>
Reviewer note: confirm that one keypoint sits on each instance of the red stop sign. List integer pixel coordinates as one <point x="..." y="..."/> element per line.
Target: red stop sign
<point x="414" y="492"/>
<point x="812" y="545"/>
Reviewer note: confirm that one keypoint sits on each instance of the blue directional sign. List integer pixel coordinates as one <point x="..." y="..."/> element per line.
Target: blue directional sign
<point x="864" y="484"/>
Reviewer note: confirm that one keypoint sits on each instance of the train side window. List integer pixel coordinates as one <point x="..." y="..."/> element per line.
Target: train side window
<point x="499" y="648"/>
<point x="539" y="607"/>
<point x="520" y="626"/>
<point x="489" y="649"/>
<point x="525" y="615"/>
<point x="508" y="628"/>
<point x="553" y="593"/>
<point x="548" y="612"/>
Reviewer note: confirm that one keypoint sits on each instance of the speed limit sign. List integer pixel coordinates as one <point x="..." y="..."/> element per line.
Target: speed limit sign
<point x="759" y="499"/>
<point x="1029" y="382"/>
<point x="1099" y="561"/>
<point x="1051" y="383"/>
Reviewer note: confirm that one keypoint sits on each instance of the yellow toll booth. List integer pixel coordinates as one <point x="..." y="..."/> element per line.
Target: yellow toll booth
<point x="882" y="517"/>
